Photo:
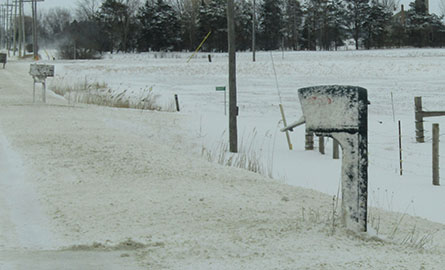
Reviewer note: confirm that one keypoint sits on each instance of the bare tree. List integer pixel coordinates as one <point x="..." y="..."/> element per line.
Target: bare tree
<point x="53" y="23"/>
<point x="87" y="9"/>
<point x="442" y="7"/>
<point x="391" y="5"/>
<point x="56" y="20"/>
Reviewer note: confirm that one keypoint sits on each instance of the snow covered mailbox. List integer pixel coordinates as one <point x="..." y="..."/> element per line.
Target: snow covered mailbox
<point x="39" y="73"/>
<point x="341" y="112"/>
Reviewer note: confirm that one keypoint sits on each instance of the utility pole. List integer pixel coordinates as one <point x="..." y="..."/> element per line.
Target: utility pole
<point x="7" y="26"/>
<point x="2" y="37"/>
<point x="34" y="26"/>
<point x="233" y="108"/>
<point x="22" y="24"/>
<point x="34" y="30"/>
<point x="20" y="27"/>
<point x="253" y="31"/>
<point x="15" y="28"/>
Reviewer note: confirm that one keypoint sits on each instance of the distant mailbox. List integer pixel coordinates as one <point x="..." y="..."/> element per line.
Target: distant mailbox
<point x="39" y="73"/>
<point x="38" y="70"/>
<point x="3" y="59"/>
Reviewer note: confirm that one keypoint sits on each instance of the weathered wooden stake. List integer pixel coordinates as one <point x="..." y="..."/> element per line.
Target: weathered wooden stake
<point x="336" y="149"/>
<point x="420" y="137"/>
<point x="253" y="31"/>
<point x="321" y="144"/>
<point x="34" y="93"/>
<point x="393" y="112"/>
<point x="289" y="143"/>
<point x="436" y="179"/>
<point x="233" y="108"/>
<point x="210" y="58"/>
<point x="309" y="141"/>
<point x="400" y="147"/>
<point x="177" y="102"/>
<point x="44" y="92"/>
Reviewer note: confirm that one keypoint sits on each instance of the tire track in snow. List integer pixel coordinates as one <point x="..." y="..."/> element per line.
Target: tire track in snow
<point x="28" y="225"/>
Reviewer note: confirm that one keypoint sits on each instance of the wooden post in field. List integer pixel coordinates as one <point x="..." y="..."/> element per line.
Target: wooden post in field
<point x="420" y="137"/>
<point x="289" y="143"/>
<point x="34" y="29"/>
<point x="321" y="144"/>
<point x="400" y="147"/>
<point x="14" y="34"/>
<point x="336" y="149"/>
<point x="419" y="115"/>
<point x="22" y="25"/>
<point x="253" y="31"/>
<point x="436" y="179"/>
<point x="309" y="141"/>
<point x="177" y="102"/>
<point x="233" y="108"/>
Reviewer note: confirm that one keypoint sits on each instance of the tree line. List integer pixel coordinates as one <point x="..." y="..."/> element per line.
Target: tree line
<point x="180" y="25"/>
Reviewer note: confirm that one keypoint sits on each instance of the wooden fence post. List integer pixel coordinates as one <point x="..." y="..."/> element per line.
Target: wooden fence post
<point x="420" y="137"/>
<point x="336" y="149"/>
<point x="436" y="179"/>
<point x="309" y="141"/>
<point x="177" y="102"/>
<point x="321" y="144"/>
<point x="400" y="148"/>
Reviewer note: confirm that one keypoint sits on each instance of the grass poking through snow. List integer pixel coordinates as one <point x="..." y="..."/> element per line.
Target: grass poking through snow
<point x="101" y="94"/>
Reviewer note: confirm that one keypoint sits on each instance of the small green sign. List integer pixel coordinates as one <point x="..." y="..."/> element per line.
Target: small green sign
<point x="220" y="88"/>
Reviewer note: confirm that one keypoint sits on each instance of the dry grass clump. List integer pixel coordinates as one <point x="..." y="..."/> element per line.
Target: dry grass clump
<point x="248" y="157"/>
<point x="101" y="94"/>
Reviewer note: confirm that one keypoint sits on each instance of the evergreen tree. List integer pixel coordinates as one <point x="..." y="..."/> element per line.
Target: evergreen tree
<point x="243" y="24"/>
<point x="117" y="18"/>
<point x="146" y="21"/>
<point x="159" y="27"/>
<point x="189" y="23"/>
<point x="376" y="25"/>
<point x="293" y="17"/>
<point x="357" y="11"/>
<point x="419" y="25"/>
<point x="270" y="24"/>
<point x="213" y="18"/>
<point x="311" y="24"/>
<point x="338" y="23"/>
<point x="324" y="24"/>
<point x="112" y="13"/>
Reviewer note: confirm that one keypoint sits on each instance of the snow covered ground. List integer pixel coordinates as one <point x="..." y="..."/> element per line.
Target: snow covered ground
<point x="400" y="73"/>
<point x="133" y="185"/>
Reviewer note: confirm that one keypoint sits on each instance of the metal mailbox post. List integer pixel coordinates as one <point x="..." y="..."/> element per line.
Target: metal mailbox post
<point x="341" y="112"/>
<point x="3" y="59"/>
<point x="39" y="73"/>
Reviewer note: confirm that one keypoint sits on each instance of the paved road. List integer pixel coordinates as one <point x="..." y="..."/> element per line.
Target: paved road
<point x="25" y="240"/>
<point x="66" y="260"/>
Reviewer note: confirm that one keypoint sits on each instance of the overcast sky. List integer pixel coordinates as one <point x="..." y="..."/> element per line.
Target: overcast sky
<point x="58" y="3"/>
<point x="434" y="4"/>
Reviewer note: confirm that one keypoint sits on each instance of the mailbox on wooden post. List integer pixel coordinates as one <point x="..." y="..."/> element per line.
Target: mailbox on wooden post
<point x="3" y="59"/>
<point x="341" y="112"/>
<point x="39" y="73"/>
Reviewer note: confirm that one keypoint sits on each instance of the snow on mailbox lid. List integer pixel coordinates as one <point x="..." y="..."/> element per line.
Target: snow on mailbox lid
<point x="333" y="108"/>
<point x="39" y="70"/>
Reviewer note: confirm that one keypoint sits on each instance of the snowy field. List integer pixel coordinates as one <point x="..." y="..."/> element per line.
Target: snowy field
<point x="132" y="187"/>
<point x="403" y="74"/>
